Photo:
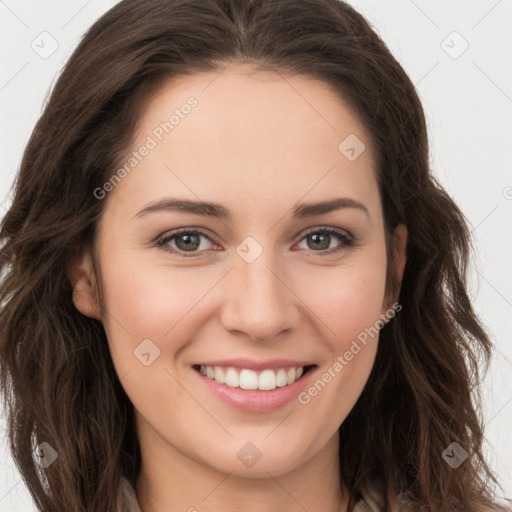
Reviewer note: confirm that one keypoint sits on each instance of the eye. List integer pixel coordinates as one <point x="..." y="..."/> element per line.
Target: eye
<point x="185" y="240"/>
<point x="189" y="241"/>
<point x="319" y="240"/>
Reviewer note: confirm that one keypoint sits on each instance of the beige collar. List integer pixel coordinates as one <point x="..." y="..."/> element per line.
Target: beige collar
<point x="371" y="501"/>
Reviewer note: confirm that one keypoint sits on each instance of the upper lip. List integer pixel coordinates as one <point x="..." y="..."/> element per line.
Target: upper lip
<point x="257" y="365"/>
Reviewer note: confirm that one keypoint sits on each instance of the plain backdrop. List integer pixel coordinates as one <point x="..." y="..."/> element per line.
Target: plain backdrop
<point x="458" y="54"/>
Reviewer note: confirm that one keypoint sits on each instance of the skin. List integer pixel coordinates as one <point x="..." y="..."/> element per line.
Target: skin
<point x="257" y="143"/>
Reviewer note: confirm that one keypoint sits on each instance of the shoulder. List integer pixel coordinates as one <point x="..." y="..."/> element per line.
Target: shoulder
<point x="373" y="500"/>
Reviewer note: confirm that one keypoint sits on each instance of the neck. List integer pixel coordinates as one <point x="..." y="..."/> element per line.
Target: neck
<point x="169" y="480"/>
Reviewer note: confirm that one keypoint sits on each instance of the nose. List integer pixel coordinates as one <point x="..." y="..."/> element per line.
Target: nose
<point x="259" y="299"/>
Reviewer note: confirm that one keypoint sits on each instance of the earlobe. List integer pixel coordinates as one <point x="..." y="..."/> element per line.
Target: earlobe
<point x="82" y="276"/>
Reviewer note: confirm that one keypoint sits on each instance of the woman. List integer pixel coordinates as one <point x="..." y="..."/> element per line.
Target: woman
<point x="173" y="336"/>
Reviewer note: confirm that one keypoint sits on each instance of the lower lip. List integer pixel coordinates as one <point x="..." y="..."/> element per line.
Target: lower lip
<point x="256" y="400"/>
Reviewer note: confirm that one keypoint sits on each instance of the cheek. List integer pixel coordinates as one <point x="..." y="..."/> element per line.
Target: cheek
<point x="350" y="299"/>
<point x="147" y="323"/>
<point x="349" y="302"/>
<point x="350" y="310"/>
<point x="143" y="300"/>
<point x="147" y="300"/>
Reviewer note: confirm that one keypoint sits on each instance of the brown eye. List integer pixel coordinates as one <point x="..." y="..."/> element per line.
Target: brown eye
<point x="188" y="242"/>
<point x="184" y="241"/>
<point x="319" y="240"/>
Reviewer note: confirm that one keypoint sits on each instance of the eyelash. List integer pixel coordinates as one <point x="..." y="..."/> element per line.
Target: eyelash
<point x="347" y="240"/>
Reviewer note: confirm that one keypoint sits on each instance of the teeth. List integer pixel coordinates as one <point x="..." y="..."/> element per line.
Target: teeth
<point x="232" y="378"/>
<point x="281" y="379"/>
<point x="219" y="375"/>
<point x="248" y="379"/>
<point x="291" y="376"/>
<point x="266" y="380"/>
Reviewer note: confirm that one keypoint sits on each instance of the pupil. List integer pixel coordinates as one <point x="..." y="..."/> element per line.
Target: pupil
<point x="188" y="241"/>
<point x="316" y="240"/>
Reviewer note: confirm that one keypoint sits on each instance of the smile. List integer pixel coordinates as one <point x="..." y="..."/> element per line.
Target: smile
<point x="255" y="386"/>
<point x="248" y="379"/>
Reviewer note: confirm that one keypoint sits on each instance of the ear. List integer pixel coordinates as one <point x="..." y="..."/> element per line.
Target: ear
<point x="399" y="251"/>
<point x="82" y="276"/>
<point x="396" y="267"/>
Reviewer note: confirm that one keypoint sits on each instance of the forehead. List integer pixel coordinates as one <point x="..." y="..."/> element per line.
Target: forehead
<point x="250" y="132"/>
<point x="241" y="102"/>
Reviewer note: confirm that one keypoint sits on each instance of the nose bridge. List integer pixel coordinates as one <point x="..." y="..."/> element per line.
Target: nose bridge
<point x="258" y="302"/>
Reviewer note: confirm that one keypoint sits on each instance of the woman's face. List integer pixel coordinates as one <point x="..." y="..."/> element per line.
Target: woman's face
<point x="251" y="289"/>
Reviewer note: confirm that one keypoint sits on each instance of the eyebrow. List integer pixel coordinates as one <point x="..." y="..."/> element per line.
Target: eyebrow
<point x="215" y="210"/>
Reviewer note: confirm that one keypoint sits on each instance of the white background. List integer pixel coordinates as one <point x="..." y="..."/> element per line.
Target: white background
<point x="468" y="102"/>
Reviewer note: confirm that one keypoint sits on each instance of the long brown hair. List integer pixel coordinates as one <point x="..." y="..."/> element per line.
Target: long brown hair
<point x="58" y="381"/>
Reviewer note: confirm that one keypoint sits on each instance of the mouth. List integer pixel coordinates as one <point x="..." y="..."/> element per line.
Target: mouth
<point x="249" y="379"/>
